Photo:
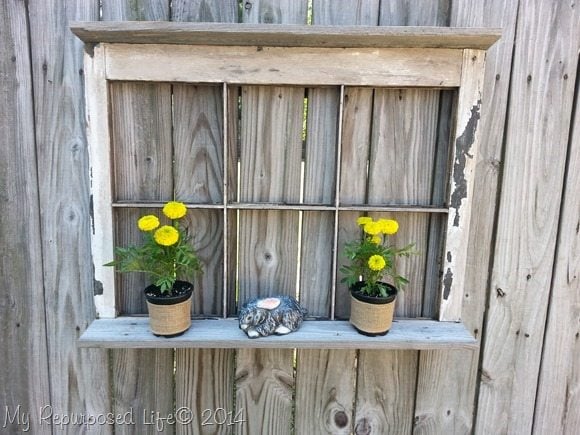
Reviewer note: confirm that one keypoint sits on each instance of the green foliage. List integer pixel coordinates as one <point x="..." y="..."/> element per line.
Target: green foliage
<point x="163" y="264"/>
<point x="361" y="254"/>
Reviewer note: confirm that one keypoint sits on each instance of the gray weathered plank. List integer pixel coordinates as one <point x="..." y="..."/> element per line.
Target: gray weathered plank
<point x="283" y="35"/>
<point x="270" y="157"/>
<point x="325" y="379"/>
<point x="61" y="155"/>
<point x="201" y="11"/>
<point x="198" y="178"/>
<point x="141" y="139"/>
<point x="413" y="115"/>
<point x="270" y="160"/>
<point x="128" y="331"/>
<point x="25" y="380"/>
<point x="204" y="377"/>
<point x="447" y="380"/>
<point x="142" y="167"/>
<point x="466" y="136"/>
<point x="558" y="403"/>
<point x="356" y="137"/>
<point x="536" y="139"/>
<point x="397" y="67"/>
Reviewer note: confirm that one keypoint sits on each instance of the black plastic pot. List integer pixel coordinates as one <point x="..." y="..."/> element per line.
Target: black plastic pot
<point x="180" y="292"/>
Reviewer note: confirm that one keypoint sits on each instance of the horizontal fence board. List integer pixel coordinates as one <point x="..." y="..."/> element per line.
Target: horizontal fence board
<point x="423" y="67"/>
<point x="283" y="35"/>
<point x="133" y="332"/>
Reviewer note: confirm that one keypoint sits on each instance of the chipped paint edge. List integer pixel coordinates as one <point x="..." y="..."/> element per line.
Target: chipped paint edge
<point x="465" y="145"/>
<point x="97" y="125"/>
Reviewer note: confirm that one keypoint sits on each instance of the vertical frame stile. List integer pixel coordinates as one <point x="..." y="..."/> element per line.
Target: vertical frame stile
<point x="225" y="100"/>
<point x="466" y="141"/>
<point x="336" y="204"/>
<point x="98" y="135"/>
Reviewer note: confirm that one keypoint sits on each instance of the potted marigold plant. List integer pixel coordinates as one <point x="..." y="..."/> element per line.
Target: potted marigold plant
<point x="169" y="260"/>
<point x="373" y="259"/>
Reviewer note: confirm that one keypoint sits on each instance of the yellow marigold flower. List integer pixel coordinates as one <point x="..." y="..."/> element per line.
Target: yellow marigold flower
<point x="363" y="220"/>
<point x="166" y="235"/>
<point x="372" y="228"/>
<point x="376" y="240"/>
<point x="148" y="223"/>
<point x="174" y="210"/>
<point x="388" y="226"/>
<point x="377" y="262"/>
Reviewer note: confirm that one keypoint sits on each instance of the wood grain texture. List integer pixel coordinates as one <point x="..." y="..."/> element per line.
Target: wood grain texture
<point x="204" y="11"/>
<point x="402" y="120"/>
<point x="62" y="163"/>
<point x="214" y="333"/>
<point x="385" y="392"/>
<point x="447" y="381"/>
<point x="142" y="167"/>
<point x="558" y="400"/>
<point x="204" y="377"/>
<point x="351" y="13"/>
<point x="24" y="380"/>
<point x="326" y="379"/>
<point x="415" y="13"/>
<point x="198" y="177"/>
<point x="100" y="150"/>
<point x="325" y="382"/>
<point x="204" y="380"/>
<point x="319" y="187"/>
<point x="270" y="159"/>
<point x="274" y="12"/>
<point x="536" y="140"/>
<point x="401" y="168"/>
<point x="260" y="65"/>
<point x="283" y="35"/>
<point x="356" y="137"/>
<point x="466" y="143"/>
<point x="141" y="128"/>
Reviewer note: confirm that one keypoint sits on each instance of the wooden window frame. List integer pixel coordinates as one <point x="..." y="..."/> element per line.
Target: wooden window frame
<point x="230" y="54"/>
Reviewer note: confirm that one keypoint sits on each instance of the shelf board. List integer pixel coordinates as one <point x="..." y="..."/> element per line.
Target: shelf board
<point x="133" y="332"/>
<point x="281" y="35"/>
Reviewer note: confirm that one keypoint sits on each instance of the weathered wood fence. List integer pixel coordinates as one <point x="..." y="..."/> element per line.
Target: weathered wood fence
<point x="522" y="293"/>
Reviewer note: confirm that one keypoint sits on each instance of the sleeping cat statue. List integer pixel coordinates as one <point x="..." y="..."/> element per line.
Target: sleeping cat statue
<point x="260" y="317"/>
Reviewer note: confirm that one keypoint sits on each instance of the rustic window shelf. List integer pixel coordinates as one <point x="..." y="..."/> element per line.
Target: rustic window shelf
<point x="248" y="83"/>
<point x="133" y="332"/>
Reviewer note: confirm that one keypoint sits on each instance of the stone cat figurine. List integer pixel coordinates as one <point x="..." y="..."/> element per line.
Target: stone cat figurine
<point x="260" y="317"/>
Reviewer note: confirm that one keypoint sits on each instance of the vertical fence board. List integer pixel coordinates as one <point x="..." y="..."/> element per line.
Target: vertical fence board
<point x="536" y="138"/>
<point x="204" y="377"/>
<point x="24" y="380"/>
<point x="350" y="13"/>
<point x="198" y="175"/>
<point x="141" y="131"/>
<point x="270" y="157"/>
<point x="325" y="379"/>
<point x="401" y="167"/>
<point x="57" y="74"/>
<point x="394" y="373"/>
<point x="447" y="380"/>
<point x="324" y="384"/>
<point x="558" y="401"/>
<point x="319" y="188"/>
<point x="266" y="376"/>
<point x="142" y="166"/>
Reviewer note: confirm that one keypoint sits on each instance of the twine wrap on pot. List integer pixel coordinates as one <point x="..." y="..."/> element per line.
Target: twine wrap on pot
<point x="371" y="318"/>
<point x="169" y="319"/>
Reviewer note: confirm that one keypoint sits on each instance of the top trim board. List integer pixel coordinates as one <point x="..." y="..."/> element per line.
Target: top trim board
<point x="267" y="35"/>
